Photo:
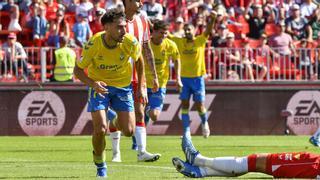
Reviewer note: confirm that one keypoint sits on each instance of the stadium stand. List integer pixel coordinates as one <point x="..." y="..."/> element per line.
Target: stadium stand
<point x="302" y="64"/>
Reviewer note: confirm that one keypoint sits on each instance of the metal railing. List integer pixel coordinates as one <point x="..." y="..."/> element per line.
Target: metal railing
<point x="250" y="65"/>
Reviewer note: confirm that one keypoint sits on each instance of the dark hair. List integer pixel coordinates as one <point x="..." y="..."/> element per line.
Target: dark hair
<point x="124" y="3"/>
<point x="111" y="15"/>
<point x="159" y="24"/>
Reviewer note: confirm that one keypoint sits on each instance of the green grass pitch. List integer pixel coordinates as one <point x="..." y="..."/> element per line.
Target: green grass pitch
<point x="70" y="157"/>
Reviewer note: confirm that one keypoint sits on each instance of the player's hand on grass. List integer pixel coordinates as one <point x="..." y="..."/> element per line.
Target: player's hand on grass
<point x="99" y="88"/>
<point x="155" y="87"/>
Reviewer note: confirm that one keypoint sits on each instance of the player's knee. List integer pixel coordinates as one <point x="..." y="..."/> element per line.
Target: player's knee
<point x="100" y="131"/>
<point x="139" y="116"/>
<point x="128" y="132"/>
<point x="154" y="115"/>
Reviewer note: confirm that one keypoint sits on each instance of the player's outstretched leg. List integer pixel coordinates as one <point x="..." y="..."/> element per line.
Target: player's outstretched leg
<point x="189" y="150"/>
<point x="185" y="168"/>
<point x="315" y="138"/>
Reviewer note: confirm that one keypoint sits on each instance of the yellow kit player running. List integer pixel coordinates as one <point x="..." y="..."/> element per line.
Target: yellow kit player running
<point x="106" y="56"/>
<point x="192" y="51"/>
<point x="164" y="50"/>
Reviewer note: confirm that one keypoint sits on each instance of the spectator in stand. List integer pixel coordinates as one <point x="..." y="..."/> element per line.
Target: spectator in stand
<point x="72" y="6"/>
<point x="97" y="6"/>
<point x="52" y="7"/>
<point x="113" y="4"/>
<point x="14" y="19"/>
<point x="84" y="8"/>
<point x="220" y="38"/>
<point x="256" y="21"/>
<point x="59" y="27"/>
<point x="15" y="57"/>
<point x="65" y="60"/>
<point x="249" y="61"/>
<point x="153" y="9"/>
<point x="265" y="50"/>
<point x="297" y="26"/>
<point x="178" y="27"/>
<point x="40" y="24"/>
<point x="315" y="26"/>
<point x="81" y="30"/>
<point x="282" y="42"/>
<point x="95" y="25"/>
<point x="229" y="58"/>
<point x="286" y="8"/>
<point x="8" y="5"/>
<point x="271" y="11"/>
<point x="308" y="9"/>
<point x="305" y="62"/>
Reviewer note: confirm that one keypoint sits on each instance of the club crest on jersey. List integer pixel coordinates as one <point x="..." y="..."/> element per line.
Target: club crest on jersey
<point x="121" y="56"/>
<point x="163" y="52"/>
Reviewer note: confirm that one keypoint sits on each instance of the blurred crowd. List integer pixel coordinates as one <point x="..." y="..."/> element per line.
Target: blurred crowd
<point x="279" y="24"/>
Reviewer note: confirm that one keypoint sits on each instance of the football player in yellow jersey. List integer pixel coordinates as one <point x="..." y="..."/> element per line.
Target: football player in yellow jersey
<point x="192" y="52"/>
<point x="164" y="50"/>
<point x="107" y="57"/>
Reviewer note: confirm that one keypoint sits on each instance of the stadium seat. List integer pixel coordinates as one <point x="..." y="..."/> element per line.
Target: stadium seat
<point x="253" y="43"/>
<point x="285" y="68"/>
<point x="271" y="29"/>
<point x="238" y="43"/>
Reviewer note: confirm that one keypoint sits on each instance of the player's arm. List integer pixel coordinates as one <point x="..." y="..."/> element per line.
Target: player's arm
<point x="210" y="24"/>
<point x="141" y="79"/>
<point x="148" y="55"/>
<point x="98" y="86"/>
<point x="87" y="55"/>
<point x="177" y="67"/>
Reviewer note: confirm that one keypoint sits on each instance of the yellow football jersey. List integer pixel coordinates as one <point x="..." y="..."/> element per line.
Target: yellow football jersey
<point x="192" y="55"/>
<point x="163" y="53"/>
<point x="112" y="66"/>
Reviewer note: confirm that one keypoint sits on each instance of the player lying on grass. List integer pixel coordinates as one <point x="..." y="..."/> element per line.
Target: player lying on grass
<point x="279" y="165"/>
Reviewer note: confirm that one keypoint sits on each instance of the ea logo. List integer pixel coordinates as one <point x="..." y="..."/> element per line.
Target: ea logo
<point x="41" y="113"/>
<point x="305" y="106"/>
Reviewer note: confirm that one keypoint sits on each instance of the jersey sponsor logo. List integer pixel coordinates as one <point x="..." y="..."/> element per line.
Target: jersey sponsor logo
<point x="305" y="118"/>
<point x="189" y="51"/>
<point x="41" y="113"/>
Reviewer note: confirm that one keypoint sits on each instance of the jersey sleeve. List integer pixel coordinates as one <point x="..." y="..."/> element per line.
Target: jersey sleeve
<point x="131" y="46"/>
<point x="201" y="39"/>
<point x="88" y="52"/>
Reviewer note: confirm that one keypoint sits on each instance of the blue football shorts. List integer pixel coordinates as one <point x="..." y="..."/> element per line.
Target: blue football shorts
<point x="156" y="99"/>
<point x="119" y="99"/>
<point x="195" y="87"/>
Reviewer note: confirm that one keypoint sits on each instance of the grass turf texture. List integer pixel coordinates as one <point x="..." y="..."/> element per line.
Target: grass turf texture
<point x="70" y="157"/>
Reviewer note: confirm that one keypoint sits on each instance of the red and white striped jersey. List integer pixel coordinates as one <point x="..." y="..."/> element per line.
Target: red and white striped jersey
<point x="139" y="27"/>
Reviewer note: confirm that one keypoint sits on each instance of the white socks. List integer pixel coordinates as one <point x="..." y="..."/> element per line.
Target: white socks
<point x="230" y="165"/>
<point x="115" y="139"/>
<point x="206" y="171"/>
<point x="141" y="138"/>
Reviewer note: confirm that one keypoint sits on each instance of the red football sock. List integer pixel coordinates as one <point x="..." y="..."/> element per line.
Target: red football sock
<point x="252" y="159"/>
